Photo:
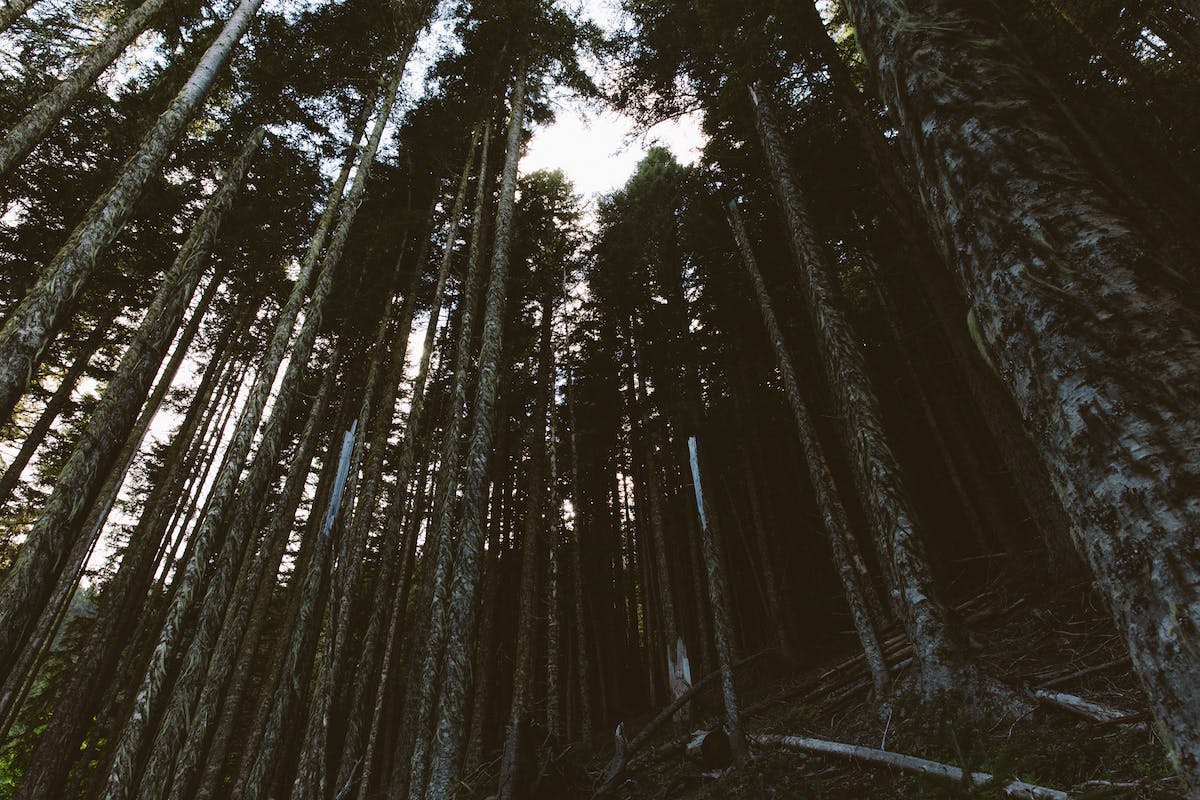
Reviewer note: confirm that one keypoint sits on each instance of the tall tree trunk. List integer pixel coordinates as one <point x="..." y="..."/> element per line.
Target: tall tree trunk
<point x="28" y="582"/>
<point x="945" y="671"/>
<point x="190" y="682"/>
<point x="829" y="503"/>
<point x="58" y="748"/>
<point x="193" y="756"/>
<point x="22" y="137"/>
<point x="945" y="299"/>
<point x="718" y="599"/>
<point x="461" y="601"/>
<point x="57" y="404"/>
<point x="1104" y="366"/>
<point x="29" y="327"/>
<point x="520" y="710"/>
<point x="583" y="670"/>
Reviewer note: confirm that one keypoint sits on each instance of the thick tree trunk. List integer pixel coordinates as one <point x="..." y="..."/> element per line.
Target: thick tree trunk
<point x="22" y="137"/>
<point x="945" y="299"/>
<point x="722" y="629"/>
<point x="829" y="503"/>
<point x="28" y="583"/>
<point x="29" y="327"/>
<point x="461" y="601"/>
<point x="1104" y="366"/>
<point x="945" y="671"/>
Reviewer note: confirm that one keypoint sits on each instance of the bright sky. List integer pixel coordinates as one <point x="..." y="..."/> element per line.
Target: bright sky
<point x="599" y="148"/>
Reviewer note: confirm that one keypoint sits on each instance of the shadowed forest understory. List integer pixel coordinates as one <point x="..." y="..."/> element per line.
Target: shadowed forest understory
<point x="857" y="456"/>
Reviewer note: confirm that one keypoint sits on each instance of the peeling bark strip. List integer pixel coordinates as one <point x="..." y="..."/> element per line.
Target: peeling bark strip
<point x="718" y="598"/>
<point x="1104" y="366"/>
<point x="829" y="502"/>
<point x="25" y="135"/>
<point x="41" y="559"/>
<point x="945" y="671"/>
<point x="27" y="331"/>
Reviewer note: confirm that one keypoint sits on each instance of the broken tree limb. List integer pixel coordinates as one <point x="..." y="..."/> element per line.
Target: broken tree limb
<point x="1097" y="712"/>
<point x="918" y="766"/>
<point x="626" y="749"/>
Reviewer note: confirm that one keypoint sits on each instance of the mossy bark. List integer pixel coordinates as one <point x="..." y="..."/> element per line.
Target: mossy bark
<point x="1103" y="363"/>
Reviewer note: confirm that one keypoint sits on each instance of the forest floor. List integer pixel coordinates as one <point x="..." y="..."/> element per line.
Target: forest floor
<point x="1058" y="637"/>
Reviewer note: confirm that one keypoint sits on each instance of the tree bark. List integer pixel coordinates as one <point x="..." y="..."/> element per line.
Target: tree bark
<point x="22" y="137"/>
<point x="829" y="503"/>
<point x="933" y="270"/>
<point x="28" y="329"/>
<point x="722" y="633"/>
<point x="59" y="747"/>
<point x="945" y="671"/>
<point x="54" y="408"/>
<point x="188" y="685"/>
<point x="12" y="11"/>
<point x="461" y="601"/>
<point x="193" y="756"/>
<point x="1104" y="366"/>
<point x="28" y="583"/>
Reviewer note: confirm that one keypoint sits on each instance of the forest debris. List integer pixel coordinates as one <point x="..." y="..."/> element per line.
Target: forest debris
<point x="919" y="766"/>
<point x="1097" y="712"/>
<point x="1083" y="673"/>
<point x="710" y="748"/>
<point x="625" y="749"/>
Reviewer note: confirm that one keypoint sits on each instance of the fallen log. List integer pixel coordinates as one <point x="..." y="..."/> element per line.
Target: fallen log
<point x="1087" y="709"/>
<point x="912" y="764"/>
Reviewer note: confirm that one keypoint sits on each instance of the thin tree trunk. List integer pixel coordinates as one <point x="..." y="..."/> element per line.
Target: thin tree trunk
<point x="520" y="710"/>
<point x="59" y="745"/>
<point x="54" y="408"/>
<point x="718" y="599"/>
<point x="460" y="604"/>
<point x="193" y="756"/>
<point x="1104" y="366"/>
<point x="22" y="137"/>
<point x="945" y="670"/>
<point x="829" y="503"/>
<point x="583" y="670"/>
<point x="29" y="327"/>
<point x="28" y="583"/>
